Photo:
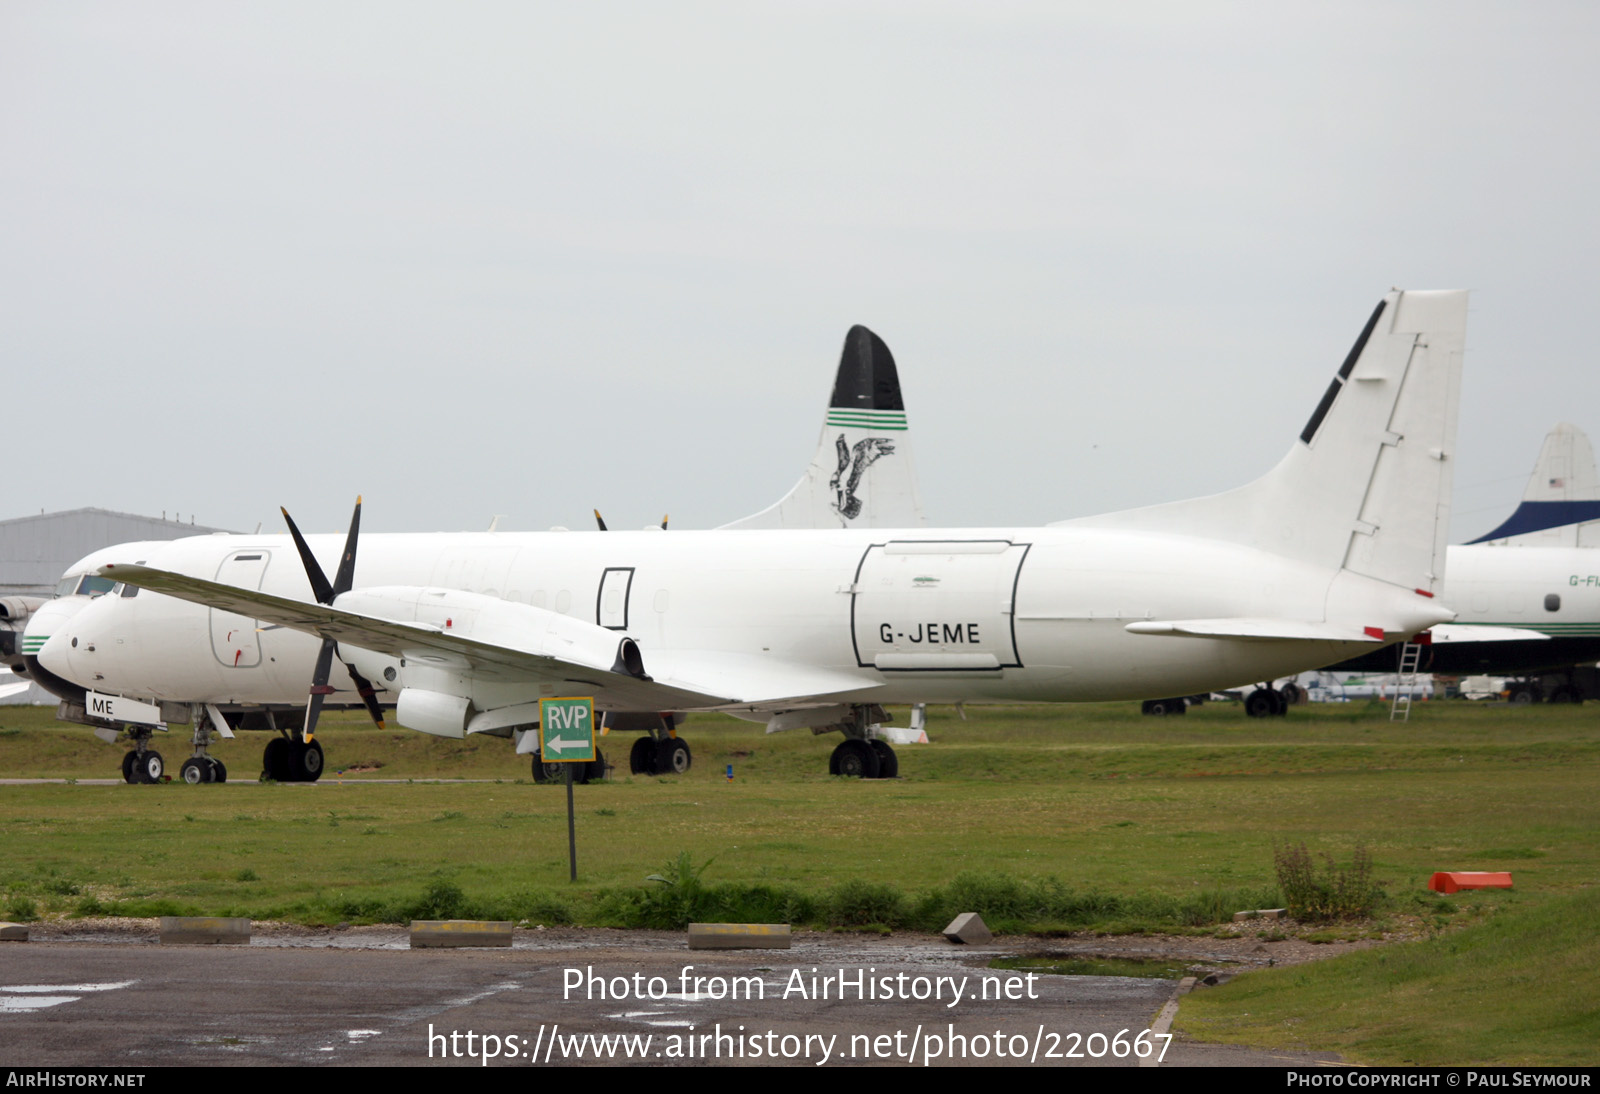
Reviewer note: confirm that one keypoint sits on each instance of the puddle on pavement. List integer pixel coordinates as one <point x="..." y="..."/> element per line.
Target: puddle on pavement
<point x="1097" y="965"/>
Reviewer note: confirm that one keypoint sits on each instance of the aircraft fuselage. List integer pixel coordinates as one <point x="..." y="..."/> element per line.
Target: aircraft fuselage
<point x="970" y="615"/>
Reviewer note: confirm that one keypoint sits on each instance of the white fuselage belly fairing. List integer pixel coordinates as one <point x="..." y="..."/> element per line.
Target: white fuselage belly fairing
<point x="1032" y="614"/>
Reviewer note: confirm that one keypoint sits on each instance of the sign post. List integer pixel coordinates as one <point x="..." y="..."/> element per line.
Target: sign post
<point x="566" y="736"/>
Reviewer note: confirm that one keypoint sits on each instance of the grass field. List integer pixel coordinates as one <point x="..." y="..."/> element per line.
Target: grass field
<point x="1042" y="818"/>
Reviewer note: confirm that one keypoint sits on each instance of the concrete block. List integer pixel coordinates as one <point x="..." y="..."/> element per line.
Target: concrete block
<point x="13" y="932"/>
<point x="738" y="936"/>
<point x="968" y="928"/>
<point x="434" y="933"/>
<point x="1261" y="913"/>
<point x="205" y="930"/>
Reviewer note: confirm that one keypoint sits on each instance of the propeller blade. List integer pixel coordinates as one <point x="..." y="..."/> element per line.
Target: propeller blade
<point x="368" y="693"/>
<point x="664" y="522"/>
<point x="319" y="580"/>
<point x="601" y="521"/>
<point x="345" y="578"/>
<point x="319" y="688"/>
<point x="325" y="593"/>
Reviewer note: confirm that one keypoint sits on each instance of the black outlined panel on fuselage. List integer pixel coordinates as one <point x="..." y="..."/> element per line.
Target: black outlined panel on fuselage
<point x="937" y="605"/>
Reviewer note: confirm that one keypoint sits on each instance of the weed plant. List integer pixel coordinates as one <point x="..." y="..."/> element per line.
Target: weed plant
<point x="1333" y="892"/>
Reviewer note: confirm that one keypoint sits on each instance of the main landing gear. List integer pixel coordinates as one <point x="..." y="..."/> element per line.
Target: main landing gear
<point x="593" y="771"/>
<point x="1268" y="702"/>
<point x="863" y="754"/>
<point x="292" y="759"/>
<point x="661" y="751"/>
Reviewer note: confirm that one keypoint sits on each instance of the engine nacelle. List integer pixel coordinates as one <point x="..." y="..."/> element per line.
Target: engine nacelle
<point x="438" y="693"/>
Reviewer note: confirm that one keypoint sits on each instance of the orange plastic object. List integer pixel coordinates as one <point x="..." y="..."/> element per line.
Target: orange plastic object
<point x="1457" y="880"/>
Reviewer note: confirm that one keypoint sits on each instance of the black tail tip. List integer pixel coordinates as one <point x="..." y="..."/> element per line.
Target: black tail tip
<point x="867" y="378"/>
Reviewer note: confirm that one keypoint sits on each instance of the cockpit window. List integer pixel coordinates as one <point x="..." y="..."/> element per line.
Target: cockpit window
<point x="128" y="592"/>
<point x="68" y="586"/>
<point x="95" y="586"/>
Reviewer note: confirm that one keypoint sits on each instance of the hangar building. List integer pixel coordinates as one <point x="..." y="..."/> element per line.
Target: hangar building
<point x="36" y="550"/>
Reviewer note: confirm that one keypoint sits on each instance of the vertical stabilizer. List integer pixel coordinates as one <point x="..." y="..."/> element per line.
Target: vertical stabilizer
<point x="1561" y="506"/>
<point x="1366" y="486"/>
<point x="862" y="475"/>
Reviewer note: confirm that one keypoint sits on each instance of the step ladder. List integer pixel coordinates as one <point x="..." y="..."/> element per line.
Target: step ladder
<point x="1405" y="682"/>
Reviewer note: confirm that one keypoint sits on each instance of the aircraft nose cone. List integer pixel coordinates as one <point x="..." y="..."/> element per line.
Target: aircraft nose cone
<point x="48" y="636"/>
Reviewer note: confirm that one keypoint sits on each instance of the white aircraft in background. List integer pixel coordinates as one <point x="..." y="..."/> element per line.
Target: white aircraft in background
<point x="1561" y="505"/>
<point x="1338" y="549"/>
<point x="1527" y="595"/>
<point x="861" y="476"/>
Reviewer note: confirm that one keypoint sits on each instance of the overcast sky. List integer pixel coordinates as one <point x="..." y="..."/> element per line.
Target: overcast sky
<point x="528" y="259"/>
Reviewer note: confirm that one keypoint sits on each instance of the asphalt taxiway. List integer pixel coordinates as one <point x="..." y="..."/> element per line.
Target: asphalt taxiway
<point x="114" y="998"/>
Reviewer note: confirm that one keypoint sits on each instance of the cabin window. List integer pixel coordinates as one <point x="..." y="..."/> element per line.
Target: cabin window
<point x="1552" y="602"/>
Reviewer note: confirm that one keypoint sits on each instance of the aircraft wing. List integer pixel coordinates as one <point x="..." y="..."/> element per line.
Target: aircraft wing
<point x="1256" y="630"/>
<point x="683" y="681"/>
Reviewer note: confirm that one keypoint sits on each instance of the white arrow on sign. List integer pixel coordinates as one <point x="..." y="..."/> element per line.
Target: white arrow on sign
<point x="558" y="744"/>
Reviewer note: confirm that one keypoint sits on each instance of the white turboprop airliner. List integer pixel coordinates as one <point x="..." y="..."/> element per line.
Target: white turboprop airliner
<point x="861" y="476"/>
<point x="1338" y="549"/>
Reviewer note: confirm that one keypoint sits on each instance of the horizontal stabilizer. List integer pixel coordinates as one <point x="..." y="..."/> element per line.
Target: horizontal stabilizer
<point x="1258" y="630"/>
<point x="1467" y="632"/>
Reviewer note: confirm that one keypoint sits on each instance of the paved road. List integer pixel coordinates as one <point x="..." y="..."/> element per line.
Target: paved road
<point x="123" y="1001"/>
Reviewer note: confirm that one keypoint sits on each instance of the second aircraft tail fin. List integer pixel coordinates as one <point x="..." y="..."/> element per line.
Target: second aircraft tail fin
<point x="861" y="475"/>
<point x="1561" y="505"/>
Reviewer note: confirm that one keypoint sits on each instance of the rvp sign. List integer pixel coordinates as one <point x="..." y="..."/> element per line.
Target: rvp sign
<point x="566" y="730"/>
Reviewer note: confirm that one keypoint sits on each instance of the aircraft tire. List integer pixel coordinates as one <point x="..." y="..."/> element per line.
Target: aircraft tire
<point x="307" y="761"/>
<point x="195" y="771"/>
<point x="150" y="767"/>
<point x="642" y="757"/>
<point x="1263" y="703"/>
<point x="219" y="772"/>
<point x="1522" y="697"/>
<point x="1163" y="707"/>
<point x="553" y="773"/>
<point x="672" y="756"/>
<point x="888" y="762"/>
<point x="275" y="760"/>
<point x="854" y="759"/>
<point x="1566" y="693"/>
<point x="127" y="767"/>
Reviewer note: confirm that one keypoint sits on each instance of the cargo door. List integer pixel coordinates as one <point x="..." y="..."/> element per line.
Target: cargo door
<point x="937" y="605"/>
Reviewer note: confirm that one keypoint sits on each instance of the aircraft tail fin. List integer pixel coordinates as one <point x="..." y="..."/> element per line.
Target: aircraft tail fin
<point x="1366" y="486"/>
<point x="862" y="475"/>
<point x="1562" y="493"/>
